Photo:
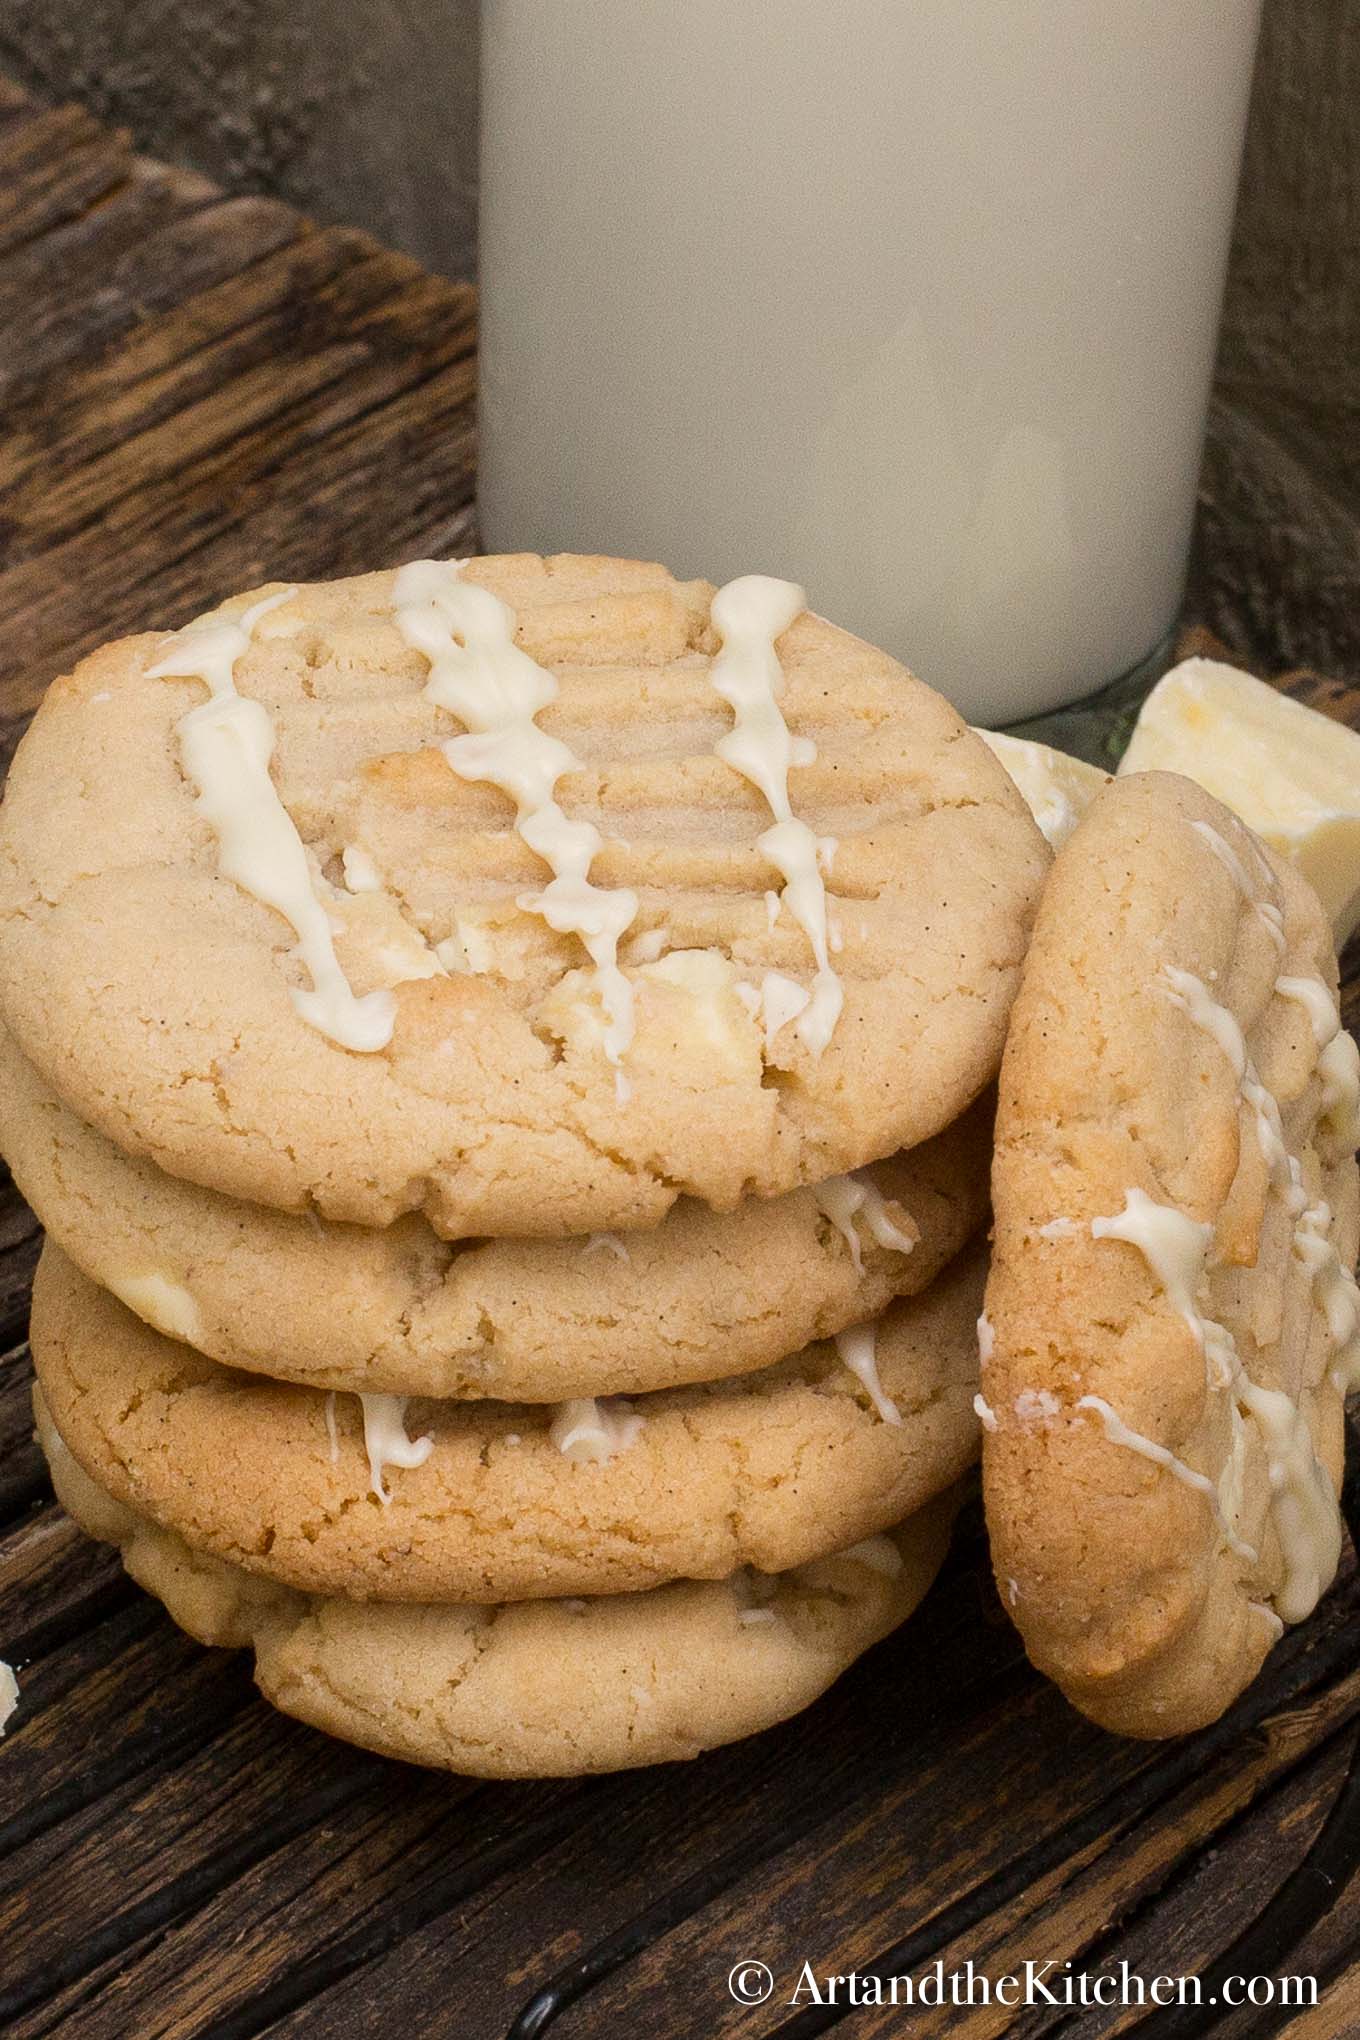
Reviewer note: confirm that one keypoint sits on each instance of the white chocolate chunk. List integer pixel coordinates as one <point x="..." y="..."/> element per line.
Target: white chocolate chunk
<point x="782" y="999"/>
<point x="361" y="873"/>
<point x="984" y="1412"/>
<point x="708" y="1006"/>
<point x="1291" y="774"/>
<point x="226" y="745"/>
<point x="162" y="1302"/>
<point x="1056" y="789"/>
<point x="591" y="1430"/>
<point x="1035" y="1405"/>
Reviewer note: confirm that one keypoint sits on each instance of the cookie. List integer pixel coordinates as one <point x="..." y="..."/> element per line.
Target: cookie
<point x="1171" y="1315"/>
<point x="530" y="894"/>
<point x="504" y="1501"/>
<point x="399" y="1310"/>
<point x="535" y="1689"/>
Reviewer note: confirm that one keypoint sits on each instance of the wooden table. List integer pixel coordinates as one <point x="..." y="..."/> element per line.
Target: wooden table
<point x="203" y="392"/>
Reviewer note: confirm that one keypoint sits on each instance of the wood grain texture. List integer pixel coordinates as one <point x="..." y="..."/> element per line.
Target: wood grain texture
<point x="196" y="392"/>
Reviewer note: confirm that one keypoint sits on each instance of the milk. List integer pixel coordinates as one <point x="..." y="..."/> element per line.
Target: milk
<point x="912" y="301"/>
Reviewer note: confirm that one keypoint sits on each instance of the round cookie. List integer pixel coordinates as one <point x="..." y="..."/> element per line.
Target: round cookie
<point x="750" y="914"/>
<point x="514" y="1501"/>
<point x="397" y="1309"/>
<point x="1171" y="1315"/>
<point x="535" y="1689"/>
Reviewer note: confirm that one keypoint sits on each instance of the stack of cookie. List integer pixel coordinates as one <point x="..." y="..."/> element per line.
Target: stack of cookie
<point x="455" y="1023"/>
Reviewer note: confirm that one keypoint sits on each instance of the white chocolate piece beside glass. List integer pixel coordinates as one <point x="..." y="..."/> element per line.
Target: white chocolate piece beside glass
<point x="1292" y="774"/>
<point x="1057" y="789"/>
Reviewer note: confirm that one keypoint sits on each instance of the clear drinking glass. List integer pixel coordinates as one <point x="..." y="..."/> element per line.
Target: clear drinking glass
<point x="913" y="301"/>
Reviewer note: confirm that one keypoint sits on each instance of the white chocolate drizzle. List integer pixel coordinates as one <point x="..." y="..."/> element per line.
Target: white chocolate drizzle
<point x="1302" y="1500"/>
<point x="858" y="1348"/>
<point x="749" y="615"/>
<point x="593" y="1429"/>
<point x="1317" y="1002"/>
<point x="1119" y="1433"/>
<point x="1272" y="920"/>
<point x="1194" y="998"/>
<point x="986" y="1338"/>
<point x="1059" y="1229"/>
<point x="1228" y="858"/>
<point x="843" y="1199"/>
<point x="1175" y="1247"/>
<point x="386" y="1442"/>
<point x="1336" y="1289"/>
<point x="984" y="1412"/>
<point x="1303" y="1505"/>
<point x="1338" y="1058"/>
<point x="226" y="745"/>
<point x="479" y="674"/>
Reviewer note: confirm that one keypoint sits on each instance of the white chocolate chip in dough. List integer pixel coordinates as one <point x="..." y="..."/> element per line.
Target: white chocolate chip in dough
<point x="162" y="1302"/>
<point x="592" y="1430"/>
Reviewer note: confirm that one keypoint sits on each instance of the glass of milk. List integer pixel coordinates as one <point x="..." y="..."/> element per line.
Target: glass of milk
<point x="912" y="301"/>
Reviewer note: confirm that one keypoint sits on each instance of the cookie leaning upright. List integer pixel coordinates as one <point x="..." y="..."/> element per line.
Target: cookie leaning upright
<point x="530" y="894"/>
<point x="1171" y="1316"/>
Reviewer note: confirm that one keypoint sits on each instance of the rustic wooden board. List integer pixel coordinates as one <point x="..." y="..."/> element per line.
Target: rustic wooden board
<point x="196" y="392"/>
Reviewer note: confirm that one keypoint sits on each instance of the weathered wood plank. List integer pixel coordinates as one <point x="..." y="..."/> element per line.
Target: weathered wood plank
<point x="23" y="1476"/>
<point x="390" y="481"/>
<point x="19" y="1242"/>
<point x="843" y="1904"/>
<point x="54" y="164"/>
<point x="209" y="373"/>
<point x="124" y="1696"/>
<point x="156" y="241"/>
